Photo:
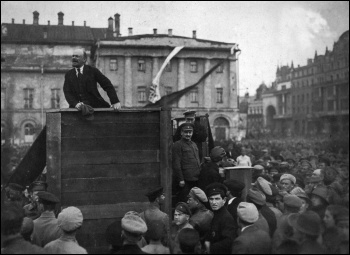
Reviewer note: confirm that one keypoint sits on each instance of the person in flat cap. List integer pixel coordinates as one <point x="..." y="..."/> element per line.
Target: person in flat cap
<point x="291" y="204"/>
<point x="70" y="221"/>
<point x="320" y="200"/>
<point x="186" y="163"/>
<point x="189" y="241"/>
<point x="12" y="242"/>
<point x="210" y="170"/>
<point x="306" y="202"/>
<point x="201" y="217"/>
<point x="251" y="240"/>
<point x="46" y="227"/>
<point x="305" y="168"/>
<point x="307" y="229"/>
<point x="133" y="227"/>
<point x="31" y="210"/>
<point x="182" y="216"/>
<point x="153" y="213"/>
<point x="222" y="229"/>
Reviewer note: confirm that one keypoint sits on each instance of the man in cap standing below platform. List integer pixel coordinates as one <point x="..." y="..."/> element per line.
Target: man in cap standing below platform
<point x="222" y="230"/>
<point x="69" y="220"/>
<point x="133" y="227"/>
<point x="251" y="240"/>
<point x="31" y="210"/>
<point x="201" y="217"/>
<point x="46" y="227"/>
<point x="186" y="163"/>
<point x="156" y="198"/>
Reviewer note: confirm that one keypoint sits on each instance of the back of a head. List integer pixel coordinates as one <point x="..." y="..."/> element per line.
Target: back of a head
<point x="11" y="218"/>
<point x="188" y="240"/>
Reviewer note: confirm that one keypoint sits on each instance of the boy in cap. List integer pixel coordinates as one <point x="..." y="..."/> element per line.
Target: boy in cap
<point x="201" y="217"/>
<point x="222" y="230"/>
<point x="186" y="163"/>
<point x="70" y="221"/>
<point x="210" y="170"/>
<point x="189" y="241"/>
<point x="251" y="240"/>
<point x="46" y="227"/>
<point x="12" y="241"/>
<point x="182" y="216"/>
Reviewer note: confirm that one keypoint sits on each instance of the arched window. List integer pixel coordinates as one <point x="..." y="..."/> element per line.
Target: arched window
<point x="221" y="127"/>
<point x="29" y="132"/>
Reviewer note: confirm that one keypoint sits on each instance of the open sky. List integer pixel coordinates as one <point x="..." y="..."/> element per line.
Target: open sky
<point x="268" y="33"/>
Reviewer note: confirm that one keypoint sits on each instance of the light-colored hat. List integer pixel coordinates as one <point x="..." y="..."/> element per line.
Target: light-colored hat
<point x="264" y="186"/>
<point x="292" y="201"/>
<point x="289" y="177"/>
<point x="198" y="194"/>
<point x="256" y="197"/>
<point x="258" y="167"/>
<point x="133" y="223"/>
<point x="247" y="212"/>
<point x="70" y="219"/>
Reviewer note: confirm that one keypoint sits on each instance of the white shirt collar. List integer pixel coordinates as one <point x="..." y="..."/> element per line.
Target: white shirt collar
<point x="231" y="200"/>
<point x="81" y="70"/>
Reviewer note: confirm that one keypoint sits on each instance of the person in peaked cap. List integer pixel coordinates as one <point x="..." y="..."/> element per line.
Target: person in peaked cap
<point x="153" y="214"/>
<point x="189" y="241"/>
<point x="31" y="210"/>
<point x="307" y="228"/>
<point x="306" y="202"/>
<point x="69" y="220"/>
<point x="46" y="227"/>
<point x="186" y="163"/>
<point x="182" y="215"/>
<point x="133" y="227"/>
<point x="251" y="240"/>
<point x="201" y="217"/>
<point x="222" y="230"/>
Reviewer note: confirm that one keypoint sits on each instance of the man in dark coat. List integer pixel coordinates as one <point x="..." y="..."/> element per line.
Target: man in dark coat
<point x="80" y="85"/>
<point x="221" y="234"/>
<point x="251" y="240"/>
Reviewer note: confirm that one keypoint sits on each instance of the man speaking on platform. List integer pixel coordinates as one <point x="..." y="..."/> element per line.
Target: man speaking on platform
<point x="80" y="85"/>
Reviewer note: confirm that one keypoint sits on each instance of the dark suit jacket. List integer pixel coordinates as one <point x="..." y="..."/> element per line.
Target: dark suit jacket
<point x="90" y="77"/>
<point x="252" y="241"/>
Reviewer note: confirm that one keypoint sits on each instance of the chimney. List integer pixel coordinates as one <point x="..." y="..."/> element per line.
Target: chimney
<point x="60" y="18"/>
<point x="24" y="21"/>
<point x="154" y="31"/>
<point x="13" y="21"/>
<point x="84" y="23"/>
<point x="170" y="32"/>
<point x="130" y="31"/>
<point x="194" y="34"/>
<point x="73" y="23"/>
<point x="110" y="28"/>
<point x="35" y="18"/>
<point x="48" y="22"/>
<point x="117" y="24"/>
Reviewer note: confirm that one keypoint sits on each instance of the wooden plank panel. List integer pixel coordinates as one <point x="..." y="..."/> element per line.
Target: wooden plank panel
<point x="110" y="129"/>
<point x="109" y="157"/>
<point x="110" y="143"/>
<point x="106" y="184"/>
<point x="74" y="118"/>
<point x="110" y="211"/>
<point x="99" y="198"/>
<point x="144" y="170"/>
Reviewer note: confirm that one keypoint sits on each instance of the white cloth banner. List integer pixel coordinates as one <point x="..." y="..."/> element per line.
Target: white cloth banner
<point x="154" y="95"/>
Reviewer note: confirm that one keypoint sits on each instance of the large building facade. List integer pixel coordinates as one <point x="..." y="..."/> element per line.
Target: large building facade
<point x="35" y="58"/>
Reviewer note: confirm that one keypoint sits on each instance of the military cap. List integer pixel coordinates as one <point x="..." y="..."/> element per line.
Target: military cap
<point x="289" y="177"/>
<point x="188" y="239"/>
<point x="258" y="167"/>
<point x="274" y="163"/>
<point x="317" y="172"/>
<point x="259" y="162"/>
<point x="217" y="153"/>
<point x="47" y="197"/>
<point x="133" y="223"/>
<point x="234" y="186"/>
<point x="308" y="222"/>
<point x="216" y="189"/>
<point x="322" y="192"/>
<point x="70" y="219"/>
<point x="314" y="179"/>
<point x="15" y="186"/>
<point x="263" y="185"/>
<point x="153" y="193"/>
<point x="186" y="126"/>
<point x="189" y="113"/>
<point x="38" y="186"/>
<point x="198" y="194"/>
<point x="256" y="197"/>
<point x="247" y="212"/>
<point x="183" y="207"/>
<point x="292" y="201"/>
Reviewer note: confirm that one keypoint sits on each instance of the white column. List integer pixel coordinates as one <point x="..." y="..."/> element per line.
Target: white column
<point x="181" y="82"/>
<point x="233" y="89"/>
<point x="155" y="67"/>
<point x="128" y="83"/>
<point x="207" y="86"/>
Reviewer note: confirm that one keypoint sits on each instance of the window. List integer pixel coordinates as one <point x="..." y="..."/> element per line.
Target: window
<point x="194" y="95"/>
<point x="29" y="133"/>
<point x="28" y="98"/>
<point x="141" y="94"/>
<point x="168" y="67"/>
<point x="141" y="65"/>
<point x="3" y="98"/>
<point x="219" y="95"/>
<point x="193" y="66"/>
<point x="168" y="90"/>
<point x="284" y="87"/>
<point x="55" y="98"/>
<point x="220" y="68"/>
<point x="113" y="64"/>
